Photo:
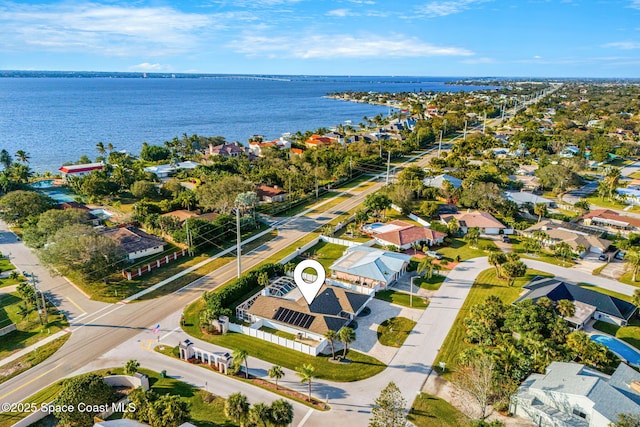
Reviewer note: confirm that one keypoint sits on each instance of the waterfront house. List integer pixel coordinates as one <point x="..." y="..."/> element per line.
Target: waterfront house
<point x="166" y="170"/>
<point x="573" y="395"/>
<point x="79" y="170"/>
<point x="316" y="141"/>
<point x="227" y="149"/>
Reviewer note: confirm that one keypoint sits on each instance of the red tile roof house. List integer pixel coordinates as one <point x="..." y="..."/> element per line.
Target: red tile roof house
<point x="227" y="149"/>
<point x="79" y="170"/>
<point x="483" y="220"/>
<point x="270" y="194"/>
<point x="407" y="234"/>
<point x="316" y="141"/>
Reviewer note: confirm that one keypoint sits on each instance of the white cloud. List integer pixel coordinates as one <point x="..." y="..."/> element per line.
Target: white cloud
<point x="444" y="8"/>
<point x="100" y="28"/>
<point x="537" y="57"/>
<point x="145" y="66"/>
<point x="623" y="45"/>
<point x="339" y="13"/>
<point x="341" y="46"/>
<point x="635" y="4"/>
<point x="362" y="1"/>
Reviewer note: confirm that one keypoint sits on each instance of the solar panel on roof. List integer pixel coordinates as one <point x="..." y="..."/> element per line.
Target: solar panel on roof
<point x="293" y="317"/>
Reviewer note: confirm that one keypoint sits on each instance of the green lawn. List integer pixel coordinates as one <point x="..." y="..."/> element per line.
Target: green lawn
<point x="459" y="247"/>
<point x="627" y="279"/>
<point x="431" y="411"/>
<point x="29" y="329"/>
<point x="362" y="366"/>
<point x="486" y="284"/>
<point x="357" y="237"/>
<point x="278" y="333"/>
<point x="630" y="334"/>
<point x="6" y="265"/>
<point x="544" y="256"/>
<point x="400" y="298"/>
<point x="432" y="284"/>
<point x="31" y="359"/>
<point x="394" y="331"/>
<point x="325" y="253"/>
<point x="206" y="410"/>
<point x="594" y="199"/>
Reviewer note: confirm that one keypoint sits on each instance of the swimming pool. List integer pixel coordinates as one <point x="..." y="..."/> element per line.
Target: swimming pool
<point x="47" y="183"/>
<point x="620" y="348"/>
<point x="376" y="225"/>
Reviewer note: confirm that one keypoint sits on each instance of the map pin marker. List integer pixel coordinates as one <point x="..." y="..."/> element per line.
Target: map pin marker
<point x="309" y="290"/>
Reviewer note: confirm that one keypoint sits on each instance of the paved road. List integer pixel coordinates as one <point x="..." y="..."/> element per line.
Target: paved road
<point x="109" y="325"/>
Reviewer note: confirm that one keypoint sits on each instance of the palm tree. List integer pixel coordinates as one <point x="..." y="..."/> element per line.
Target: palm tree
<point x="632" y="261"/>
<point x="22" y="156"/>
<point x="306" y="373"/>
<point x="100" y="148"/>
<point x="426" y="265"/>
<point x="540" y="209"/>
<point x="563" y="250"/>
<point x="5" y="159"/>
<point x="110" y="147"/>
<point x="473" y="235"/>
<point x="290" y="266"/>
<point x="236" y="407"/>
<point x="497" y="259"/>
<point x="566" y="308"/>
<point x="347" y="336"/>
<point x="331" y="335"/>
<point x="131" y="367"/>
<point x="259" y="413"/>
<point x="281" y="413"/>
<point x="276" y="373"/>
<point x="635" y="299"/>
<point x="239" y="357"/>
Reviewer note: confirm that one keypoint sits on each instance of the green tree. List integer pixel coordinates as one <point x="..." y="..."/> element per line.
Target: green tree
<point x="331" y="336"/>
<point x="626" y="420"/>
<point x="632" y="262"/>
<point x="497" y="259"/>
<point x="429" y="209"/>
<point x="259" y="414"/>
<point x="635" y="299"/>
<point x="169" y="411"/>
<point x="221" y="195"/>
<point x="154" y="153"/>
<point x="89" y="389"/>
<point x="5" y="159"/>
<point x="563" y="250"/>
<point x="276" y="373"/>
<point x="100" y="148"/>
<point x="263" y="279"/>
<point x="476" y="379"/>
<point x="16" y="207"/>
<point x="39" y="233"/>
<point x="131" y="367"/>
<point x="346" y="336"/>
<point x="389" y="408"/>
<point x="540" y="209"/>
<point x="236" y="407"/>
<point x="241" y="356"/>
<point x="281" y="413"/>
<point x="306" y="373"/>
<point x="377" y="202"/>
<point x="513" y="270"/>
<point x="143" y="190"/>
<point x="453" y="226"/>
<point x="22" y="156"/>
<point x="427" y="265"/>
<point x="473" y="236"/>
<point x="565" y="308"/>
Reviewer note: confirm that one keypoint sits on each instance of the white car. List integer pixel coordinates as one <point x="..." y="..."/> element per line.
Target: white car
<point x="434" y="254"/>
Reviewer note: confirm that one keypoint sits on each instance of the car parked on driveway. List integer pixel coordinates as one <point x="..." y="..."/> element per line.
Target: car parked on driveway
<point x="434" y="254"/>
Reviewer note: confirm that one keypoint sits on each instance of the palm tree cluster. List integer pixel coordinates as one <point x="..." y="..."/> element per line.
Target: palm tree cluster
<point x="238" y="408"/>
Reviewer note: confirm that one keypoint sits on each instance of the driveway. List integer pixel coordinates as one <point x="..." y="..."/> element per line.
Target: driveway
<point x="367" y="331"/>
<point x="614" y="270"/>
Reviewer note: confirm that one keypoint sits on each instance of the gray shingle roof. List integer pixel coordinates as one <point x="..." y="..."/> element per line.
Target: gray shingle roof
<point x="557" y="290"/>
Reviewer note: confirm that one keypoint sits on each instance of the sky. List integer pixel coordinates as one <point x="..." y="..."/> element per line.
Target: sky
<point x="477" y="38"/>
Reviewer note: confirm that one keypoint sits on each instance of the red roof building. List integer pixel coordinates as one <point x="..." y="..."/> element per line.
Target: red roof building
<point x="80" y="170"/>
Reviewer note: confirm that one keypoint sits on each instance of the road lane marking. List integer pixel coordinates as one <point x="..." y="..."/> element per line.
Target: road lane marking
<point x="170" y="332"/>
<point x="306" y="417"/>
<point x="147" y="344"/>
<point x="76" y="306"/>
<point x="30" y="381"/>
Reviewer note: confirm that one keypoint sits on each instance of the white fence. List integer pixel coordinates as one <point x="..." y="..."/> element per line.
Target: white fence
<point x="343" y="242"/>
<point x="274" y="339"/>
<point x="351" y="286"/>
<point x="299" y="251"/>
<point x="419" y="220"/>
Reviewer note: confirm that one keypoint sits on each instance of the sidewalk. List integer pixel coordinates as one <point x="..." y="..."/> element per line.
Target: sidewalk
<point x="29" y="349"/>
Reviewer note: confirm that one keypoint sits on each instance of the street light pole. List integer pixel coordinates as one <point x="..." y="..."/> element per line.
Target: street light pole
<point x="238" y="242"/>
<point x="411" y="291"/>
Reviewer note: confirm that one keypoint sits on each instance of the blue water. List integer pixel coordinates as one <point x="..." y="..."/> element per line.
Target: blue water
<point x="57" y="120"/>
<point x="625" y="351"/>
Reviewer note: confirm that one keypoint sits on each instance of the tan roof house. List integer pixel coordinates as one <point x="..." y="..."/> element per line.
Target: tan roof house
<point x="406" y="234"/>
<point x="486" y="222"/>
<point x="560" y="231"/>
<point x="269" y="194"/>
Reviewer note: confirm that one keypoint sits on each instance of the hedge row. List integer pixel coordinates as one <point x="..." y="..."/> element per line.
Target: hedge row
<point x="219" y="301"/>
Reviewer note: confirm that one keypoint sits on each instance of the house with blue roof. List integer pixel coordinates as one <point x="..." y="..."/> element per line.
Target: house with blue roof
<point x="370" y="267"/>
<point x="573" y="395"/>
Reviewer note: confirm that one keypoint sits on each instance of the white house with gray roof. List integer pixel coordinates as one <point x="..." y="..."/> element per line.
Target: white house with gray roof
<point x="573" y="395"/>
<point x="370" y="267"/>
<point x="438" y="181"/>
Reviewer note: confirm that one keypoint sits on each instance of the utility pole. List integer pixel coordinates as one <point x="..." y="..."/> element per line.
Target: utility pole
<point x="465" y="131"/>
<point x="238" y="242"/>
<point x="350" y="167"/>
<point x="484" y="124"/>
<point x="35" y="291"/>
<point x="440" y="144"/>
<point x="189" y="241"/>
<point x="388" y="165"/>
<point x="316" y="174"/>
